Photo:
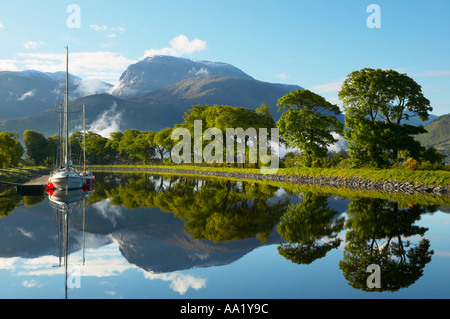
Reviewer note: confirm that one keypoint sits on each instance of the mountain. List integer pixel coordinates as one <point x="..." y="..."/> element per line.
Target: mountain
<point x="212" y="90"/>
<point x="163" y="87"/>
<point x="157" y="72"/>
<point x="156" y="110"/>
<point x="438" y="135"/>
<point x="30" y="92"/>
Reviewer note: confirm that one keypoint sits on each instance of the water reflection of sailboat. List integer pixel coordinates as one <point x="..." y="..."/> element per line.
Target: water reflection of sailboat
<point x="62" y="198"/>
<point x="64" y="202"/>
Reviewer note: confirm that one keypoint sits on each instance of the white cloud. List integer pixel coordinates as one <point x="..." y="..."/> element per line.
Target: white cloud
<point x="2" y="26"/>
<point x="432" y="73"/>
<point x="104" y="208"/>
<point x="180" y="45"/>
<point x="120" y="29"/>
<point x="31" y="45"/>
<point x="26" y="96"/>
<point x="340" y="145"/>
<point x="8" y="263"/>
<point x="8" y="65"/>
<point x="116" y="30"/>
<point x="328" y="87"/>
<point x="179" y="282"/>
<point x="31" y="284"/>
<point x="201" y="72"/>
<point x="103" y="65"/>
<point x="98" y="27"/>
<point x="91" y="86"/>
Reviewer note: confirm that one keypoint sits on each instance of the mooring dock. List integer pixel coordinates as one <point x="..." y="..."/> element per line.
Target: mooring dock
<point x="33" y="187"/>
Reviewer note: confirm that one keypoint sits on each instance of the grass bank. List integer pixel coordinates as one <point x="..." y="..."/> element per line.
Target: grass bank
<point x="436" y="178"/>
<point x="19" y="175"/>
<point x="22" y="174"/>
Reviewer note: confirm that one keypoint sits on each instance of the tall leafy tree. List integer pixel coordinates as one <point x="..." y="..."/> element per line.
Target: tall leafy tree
<point x="37" y="146"/>
<point x="163" y="141"/>
<point x="98" y="151"/>
<point x="11" y="151"/>
<point x="377" y="104"/>
<point x="114" y="143"/>
<point x="308" y="123"/>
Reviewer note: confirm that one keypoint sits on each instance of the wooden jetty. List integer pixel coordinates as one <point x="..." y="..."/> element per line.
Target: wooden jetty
<point x="33" y="187"/>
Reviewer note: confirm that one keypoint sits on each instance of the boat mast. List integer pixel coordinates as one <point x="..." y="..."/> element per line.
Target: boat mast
<point x="66" y="159"/>
<point x="84" y="137"/>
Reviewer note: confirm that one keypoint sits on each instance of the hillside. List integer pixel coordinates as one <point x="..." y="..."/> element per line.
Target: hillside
<point x="30" y="92"/>
<point x="438" y="135"/>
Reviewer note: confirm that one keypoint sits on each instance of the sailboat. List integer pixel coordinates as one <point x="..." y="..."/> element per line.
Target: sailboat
<point x="88" y="177"/>
<point x="66" y="177"/>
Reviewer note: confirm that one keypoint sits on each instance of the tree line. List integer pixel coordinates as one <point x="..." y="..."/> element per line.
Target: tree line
<point x="377" y="105"/>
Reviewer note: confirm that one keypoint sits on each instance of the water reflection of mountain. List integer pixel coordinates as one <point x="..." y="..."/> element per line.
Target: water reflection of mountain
<point x="156" y="241"/>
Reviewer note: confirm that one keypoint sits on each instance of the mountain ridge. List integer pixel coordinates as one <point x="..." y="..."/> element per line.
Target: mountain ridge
<point x="156" y="72"/>
<point x="28" y="92"/>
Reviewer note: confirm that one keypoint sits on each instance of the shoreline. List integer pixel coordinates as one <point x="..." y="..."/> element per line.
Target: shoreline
<point x="351" y="183"/>
<point x="16" y="176"/>
<point x="334" y="182"/>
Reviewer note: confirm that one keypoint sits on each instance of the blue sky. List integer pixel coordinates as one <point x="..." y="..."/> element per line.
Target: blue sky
<point x="314" y="44"/>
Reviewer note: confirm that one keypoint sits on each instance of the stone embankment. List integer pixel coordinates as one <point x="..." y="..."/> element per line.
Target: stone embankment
<point x="353" y="183"/>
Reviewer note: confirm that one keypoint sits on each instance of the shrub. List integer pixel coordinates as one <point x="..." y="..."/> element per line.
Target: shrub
<point x="411" y="164"/>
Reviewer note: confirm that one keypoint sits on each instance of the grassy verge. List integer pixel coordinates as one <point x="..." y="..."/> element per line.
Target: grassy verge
<point x="21" y="174"/>
<point x="437" y="178"/>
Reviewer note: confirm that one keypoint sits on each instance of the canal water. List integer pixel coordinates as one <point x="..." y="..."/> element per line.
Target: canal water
<point x="142" y="236"/>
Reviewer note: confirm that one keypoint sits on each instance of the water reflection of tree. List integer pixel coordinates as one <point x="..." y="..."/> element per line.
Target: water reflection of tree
<point x="225" y="211"/>
<point x="378" y="232"/>
<point x="310" y="229"/>
<point x="10" y="200"/>
<point x="217" y="210"/>
<point x="7" y="204"/>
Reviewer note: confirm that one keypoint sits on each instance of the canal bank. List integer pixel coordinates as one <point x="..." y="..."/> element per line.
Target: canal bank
<point x="352" y="183"/>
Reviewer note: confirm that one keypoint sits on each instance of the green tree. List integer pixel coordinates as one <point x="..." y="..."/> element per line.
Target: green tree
<point x="114" y="143"/>
<point x="98" y="151"/>
<point x="54" y="154"/>
<point x="37" y="146"/>
<point x="432" y="155"/>
<point x="76" y="147"/>
<point x="11" y="151"/>
<point x="136" y="146"/>
<point x="308" y="123"/>
<point x="377" y="103"/>
<point x="163" y="142"/>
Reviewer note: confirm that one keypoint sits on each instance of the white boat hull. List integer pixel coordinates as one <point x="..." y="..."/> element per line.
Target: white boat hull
<point x="66" y="180"/>
<point x="67" y="183"/>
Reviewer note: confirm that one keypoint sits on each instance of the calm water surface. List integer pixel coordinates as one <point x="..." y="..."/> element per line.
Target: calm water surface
<point x="148" y="236"/>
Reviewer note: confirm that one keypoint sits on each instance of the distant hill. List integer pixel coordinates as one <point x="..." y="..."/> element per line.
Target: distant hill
<point x="222" y="91"/>
<point x="30" y="92"/>
<point x="438" y="135"/>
